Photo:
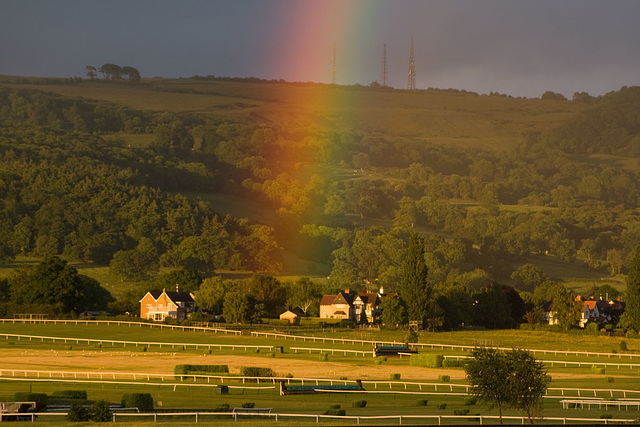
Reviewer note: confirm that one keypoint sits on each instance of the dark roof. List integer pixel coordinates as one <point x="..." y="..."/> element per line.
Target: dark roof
<point x="174" y="296"/>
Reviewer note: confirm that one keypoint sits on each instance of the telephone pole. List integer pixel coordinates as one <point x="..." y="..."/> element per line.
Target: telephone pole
<point x="411" y="83"/>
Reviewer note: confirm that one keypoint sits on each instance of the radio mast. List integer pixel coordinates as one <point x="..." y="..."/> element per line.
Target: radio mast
<point x="411" y="81"/>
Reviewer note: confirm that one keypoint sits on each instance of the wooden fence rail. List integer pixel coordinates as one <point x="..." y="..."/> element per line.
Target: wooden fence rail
<point x="159" y="344"/>
<point x="122" y="322"/>
<point x="434" y="346"/>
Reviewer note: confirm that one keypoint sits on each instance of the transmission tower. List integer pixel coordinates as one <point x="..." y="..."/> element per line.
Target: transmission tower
<point x="384" y="66"/>
<point x="333" y="66"/>
<point x="411" y="83"/>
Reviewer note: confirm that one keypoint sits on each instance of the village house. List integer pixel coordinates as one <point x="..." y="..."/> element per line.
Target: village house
<point x="292" y="314"/>
<point x="349" y="305"/>
<point x="158" y="305"/>
<point x="592" y="310"/>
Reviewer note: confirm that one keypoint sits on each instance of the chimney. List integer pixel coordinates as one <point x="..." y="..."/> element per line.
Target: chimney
<point x="346" y="291"/>
<point x="177" y="285"/>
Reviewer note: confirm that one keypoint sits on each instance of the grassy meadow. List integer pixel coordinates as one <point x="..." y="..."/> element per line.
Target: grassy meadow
<point x="393" y="398"/>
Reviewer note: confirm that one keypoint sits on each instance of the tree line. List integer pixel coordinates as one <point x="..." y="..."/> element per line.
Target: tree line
<point x="114" y="72"/>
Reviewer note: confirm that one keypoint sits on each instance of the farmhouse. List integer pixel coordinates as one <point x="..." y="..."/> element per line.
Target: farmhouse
<point x="158" y="305"/>
<point x="592" y="310"/>
<point x="349" y="305"/>
<point x="290" y="315"/>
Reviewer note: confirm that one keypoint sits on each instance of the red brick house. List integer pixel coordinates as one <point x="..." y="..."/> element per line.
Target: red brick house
<point x="158" y="305"/>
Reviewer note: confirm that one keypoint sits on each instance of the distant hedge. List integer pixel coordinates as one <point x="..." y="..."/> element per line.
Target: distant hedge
<point x="426" y="360"/>
<point x="70" y="394"/>
<point x="254" y="371"/>
<point x="200" y="369"/>
<point x="142" y="401"/>
<point x="454" y="363"/>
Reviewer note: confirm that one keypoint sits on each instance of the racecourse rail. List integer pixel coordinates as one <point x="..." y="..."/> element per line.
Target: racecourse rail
<point x="122" y="322"/>
<point x="438" y="388"/>
<point x="275" y="417"/>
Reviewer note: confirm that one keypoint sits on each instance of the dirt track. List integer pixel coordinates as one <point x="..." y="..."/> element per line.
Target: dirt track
<point x="153" y="362"/>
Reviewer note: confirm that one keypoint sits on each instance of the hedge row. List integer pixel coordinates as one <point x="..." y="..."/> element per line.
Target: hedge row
<point x="201" y="369"/>
<point x="70" y="394"/>
<point x="426" y="360"/>
<point x="142" y="401"/>
<point x="255" y="371"/>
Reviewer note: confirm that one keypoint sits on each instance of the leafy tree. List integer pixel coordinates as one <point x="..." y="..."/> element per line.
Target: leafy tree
<point x="631" y="316"/>
<point x="528" y="276"/>
<point x="414" y="289"/>
<point x="305" y="294"/>
<point x="54" y="282"/>
<point x="187" y="281"/>
<point x="565" y="308"/>
<point x="236" y="307"/>
<point x="211" y="294"/>
<point x="268" y="291"/>
<point x="393" y="312"/>
<point x="77" y="413"/>
<point x="507" y="379"/>
<point x="131" y="73"/>
<point x="491" y="307"/>
<point x="91" y="71"/>
<point x="111" y="71"/>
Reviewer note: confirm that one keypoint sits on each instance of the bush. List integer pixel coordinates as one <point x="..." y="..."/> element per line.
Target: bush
<point x="422" y="402"/>
<point x="100" y="412"/>
<point x="623" y="345"/>
<point x="70" y="394"/>
<point x="271" y="355"/>
<point x="142" y="401"/>
<point x="324" y="357"/>
<point x="199" y="370"/>
<point x="412" y="336"/>
<point x="77" y="413"/>
<point x="469" y="401"/>
<point x="444" y="378"/>
<point x="343" y="378"/>
<point x="442" y="406"/>
<point x="41" y="399"/>
<point x="599" y="370"/>
<point x="461" y="412"/>
<point x="255" y="371"/>
<point x="248" y="405"/>
<point x="606" y="416"/>
<point x="224" y="407"/>
<point x="358" y="403"/>
<point x="426" y="360"/>
<point x="394" y="376"/>
<point x="609" y="379"/>
<point x="335" y="410"/>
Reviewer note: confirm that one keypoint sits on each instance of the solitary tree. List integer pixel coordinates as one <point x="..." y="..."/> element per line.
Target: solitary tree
<point x="507" y="379"/>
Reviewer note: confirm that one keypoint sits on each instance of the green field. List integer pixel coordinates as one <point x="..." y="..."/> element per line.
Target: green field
<point x="399" y="398"/>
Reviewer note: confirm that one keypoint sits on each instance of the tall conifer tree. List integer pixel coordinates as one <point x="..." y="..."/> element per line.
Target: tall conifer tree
<point x="415" y="289"/>
<point x="632" y="300"/>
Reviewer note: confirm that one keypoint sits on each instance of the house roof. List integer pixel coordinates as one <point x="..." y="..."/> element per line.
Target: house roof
<point x="173" y="296"/>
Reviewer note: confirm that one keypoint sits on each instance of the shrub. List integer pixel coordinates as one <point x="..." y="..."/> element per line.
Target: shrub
<point x="426" y="360"/>
<point x="599" y="370"/>
<point x="271" y="355"/>
<point x="471" y="400"/>
<point x="606" y="416"/>
<point x="224" y="407"/>
<point x="323" y="357"/>
<point x="248" y="405"/>
<point x="394" y="376"/>
<point x="444" y="378"/>
<point x="461" y="412"/>
<point x="609" y="379"/>
<point x="343" y="378"/>
<point x="200" y="369"/>
<point x="412" y="336"/>
<point x="442" y="406"/>
<point x="422" y="402"/>
<point x="255" y="371"/>
<point x="623" y="345"/>
<point x="100" y="412"/>
<point x="142" y="401"/>
<point x="41" y="399"/>
<point x="70" y="394"/>
<point x="335" y="410"/>
<point x="77" y="413"/>
<point x="358" y="403"/>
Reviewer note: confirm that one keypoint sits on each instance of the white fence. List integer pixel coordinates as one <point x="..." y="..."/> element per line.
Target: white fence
<point x="441" y="346"/>
<point x="333" y="351"/>
<point x="149" y="344"/>
<point x="570" y="363"/>
<point x="120" y="322"/>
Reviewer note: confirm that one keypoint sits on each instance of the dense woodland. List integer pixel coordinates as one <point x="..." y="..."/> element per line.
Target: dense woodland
<point x="71" y="187"/>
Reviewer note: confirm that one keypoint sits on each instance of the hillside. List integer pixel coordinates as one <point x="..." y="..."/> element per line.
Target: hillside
<point x="317" y="180"/>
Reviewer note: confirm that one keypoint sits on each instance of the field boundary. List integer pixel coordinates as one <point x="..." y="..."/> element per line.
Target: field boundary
<point x="122" y="322"/>
<point x="147" y="344"/>
<point x="442" y="346"/>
